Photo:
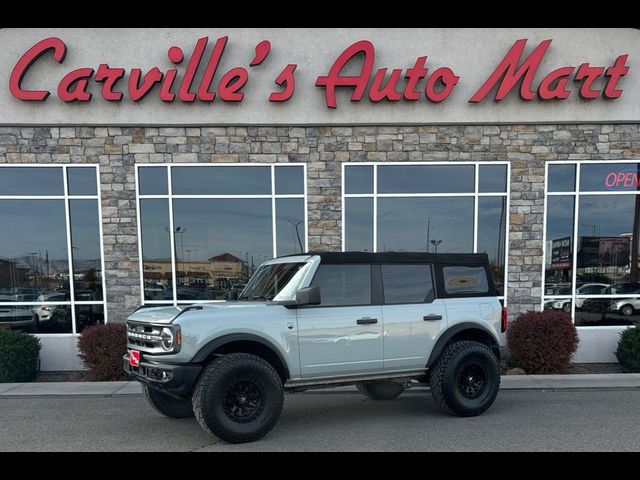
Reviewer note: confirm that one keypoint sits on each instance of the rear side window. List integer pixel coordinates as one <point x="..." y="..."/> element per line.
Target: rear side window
<point x="342" y="285"/>
<point x="407" y="284"/>
<point x="459" y="280"/>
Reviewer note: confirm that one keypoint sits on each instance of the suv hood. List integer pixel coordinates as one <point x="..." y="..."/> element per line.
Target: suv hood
<point x="164" y="315"/>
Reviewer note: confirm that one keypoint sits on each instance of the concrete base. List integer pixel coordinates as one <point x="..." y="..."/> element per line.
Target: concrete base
<point x="59" y="353"/>
<point x="597" y="344"/>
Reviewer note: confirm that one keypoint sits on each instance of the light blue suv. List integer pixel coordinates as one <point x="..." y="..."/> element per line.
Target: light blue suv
<point x="374" y="320"/>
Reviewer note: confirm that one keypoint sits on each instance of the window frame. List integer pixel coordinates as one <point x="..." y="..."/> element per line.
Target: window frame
<point x="576" y="194"/>
<point x="475" y="194"/>
<point x="169" y="196"/>
<point x="67" y="198"/>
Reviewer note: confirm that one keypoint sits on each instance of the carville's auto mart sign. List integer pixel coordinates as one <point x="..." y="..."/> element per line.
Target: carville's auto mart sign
<point x="192" y="76"/>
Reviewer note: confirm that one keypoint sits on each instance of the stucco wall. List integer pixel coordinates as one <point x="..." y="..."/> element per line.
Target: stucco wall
<point x="473" y="54"/>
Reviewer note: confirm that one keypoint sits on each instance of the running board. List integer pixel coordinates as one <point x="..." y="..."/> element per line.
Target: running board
<point x="350" y="379"/>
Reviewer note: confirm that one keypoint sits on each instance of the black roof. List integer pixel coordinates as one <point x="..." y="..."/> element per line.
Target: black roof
<point x="402" y="257"/>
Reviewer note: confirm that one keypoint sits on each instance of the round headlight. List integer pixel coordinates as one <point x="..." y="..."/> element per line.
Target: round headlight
<point x="167" y="339"/>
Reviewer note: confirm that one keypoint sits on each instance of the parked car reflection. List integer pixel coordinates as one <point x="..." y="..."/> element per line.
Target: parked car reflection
<point x="16" y="317"/>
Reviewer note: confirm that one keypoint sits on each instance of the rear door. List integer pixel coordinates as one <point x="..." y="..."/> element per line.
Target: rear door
<point x="342" y="335"/>
<point x="413" y="317"/>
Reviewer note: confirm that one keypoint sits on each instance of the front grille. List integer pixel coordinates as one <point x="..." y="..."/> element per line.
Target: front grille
<point x="144" y="337"/>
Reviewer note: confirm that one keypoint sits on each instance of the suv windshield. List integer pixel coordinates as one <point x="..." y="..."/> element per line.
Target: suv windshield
<point x="269" y="280"/>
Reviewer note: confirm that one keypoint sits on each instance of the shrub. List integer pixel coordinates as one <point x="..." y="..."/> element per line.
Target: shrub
<point x="542" y="342"/>
<point x="19" y="354"/>
<point x="101" y="350"/>
<point x="628" y="351"/>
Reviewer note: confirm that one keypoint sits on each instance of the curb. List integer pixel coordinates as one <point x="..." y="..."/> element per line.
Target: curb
<point x="508" y="382"/>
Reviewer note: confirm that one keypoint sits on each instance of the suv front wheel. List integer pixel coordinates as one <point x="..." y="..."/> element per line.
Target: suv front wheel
<point x="238" y="398"/>
<point x="465" y="379"/>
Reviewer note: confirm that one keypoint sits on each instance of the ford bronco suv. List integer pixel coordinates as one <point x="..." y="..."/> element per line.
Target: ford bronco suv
<point x="376" y="320"/>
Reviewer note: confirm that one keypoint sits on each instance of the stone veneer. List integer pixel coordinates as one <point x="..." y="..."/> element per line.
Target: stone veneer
<point x="118" y="149"/>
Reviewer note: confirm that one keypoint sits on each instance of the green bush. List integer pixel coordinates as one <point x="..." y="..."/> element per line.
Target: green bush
<point x="19" y="354"/>
<point x="628" y="351"/>
<point x="542" y="342"/>
<point x="101" y="350"/>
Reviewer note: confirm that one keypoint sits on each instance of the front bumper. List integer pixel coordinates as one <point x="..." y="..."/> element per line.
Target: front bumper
<point x="173" y="379"/>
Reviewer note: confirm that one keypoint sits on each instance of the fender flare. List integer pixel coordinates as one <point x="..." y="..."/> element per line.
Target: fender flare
<point x="451" y="332"/>
<point x="216" y="343"/>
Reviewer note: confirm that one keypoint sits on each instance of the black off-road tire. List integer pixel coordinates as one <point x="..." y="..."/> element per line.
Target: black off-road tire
<point x="238" y="398"/>
<point x="465" y="379"/>
<point x="380" y="390"/>
<point x="166" y="405"/>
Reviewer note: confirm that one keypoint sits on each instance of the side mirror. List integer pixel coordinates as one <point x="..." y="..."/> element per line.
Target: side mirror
<point x="233" y="295"/>
<point x="308" y="296"/>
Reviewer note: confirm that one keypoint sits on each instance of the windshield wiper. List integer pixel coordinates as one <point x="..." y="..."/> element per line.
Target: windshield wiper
<point x="261" y="297"/>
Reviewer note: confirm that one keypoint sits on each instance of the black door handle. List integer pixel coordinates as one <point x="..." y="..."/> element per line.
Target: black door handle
<point x="430" y="318"/>
<point x="366" y="321"/>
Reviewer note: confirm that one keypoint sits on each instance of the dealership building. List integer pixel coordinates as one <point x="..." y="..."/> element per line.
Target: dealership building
<point x="163" y="166"/>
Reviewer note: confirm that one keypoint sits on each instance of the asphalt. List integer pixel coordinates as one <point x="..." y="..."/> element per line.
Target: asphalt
<point x="597" y="419"/>
<point x="508" y="382"/>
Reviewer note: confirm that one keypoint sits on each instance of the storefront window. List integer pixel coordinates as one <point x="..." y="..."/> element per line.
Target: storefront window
<point x="205" y="229"/>
<point x="440" y="208"/>
<point x="604" y="213"/>
<point x="51" y="250"/>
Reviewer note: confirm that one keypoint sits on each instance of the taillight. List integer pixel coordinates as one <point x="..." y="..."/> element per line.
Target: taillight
<point x="46" y="309"/>
<point x="503" y="323"/>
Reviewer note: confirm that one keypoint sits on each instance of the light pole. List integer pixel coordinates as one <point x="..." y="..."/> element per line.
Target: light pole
<point x="296" y="225"/>
<point x="428" y="231"/>
<point x="435" y="244"/>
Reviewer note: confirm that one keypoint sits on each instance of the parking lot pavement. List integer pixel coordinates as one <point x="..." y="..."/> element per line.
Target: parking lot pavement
<point x="535" y="419"/>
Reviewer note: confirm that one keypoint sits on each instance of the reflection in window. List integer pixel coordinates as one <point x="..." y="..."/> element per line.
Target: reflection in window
<point x="428" y="208"/>
<point x="407" y="284"/>
<point x="426" y="178"/>
<point x="289" y="180"/>
<point x="605" y="226"/>
<point x="559" y="235"/>
<point x="81" y="180"/>
<point x="343" y="285"/>
<point x="290" y="225"/>
<point x="85" y="249"/>
<point x="358" y="213"/>
<point x="606" y="249"/>
<point x="441" y="224"/>
<point x="358" y="179"/>
<point x="492" y="217"/>
<point x="596" y="177"/>
<point x="30" y="181"/>
<point x="36" y="274"/>
<point x="221" y="180"/>
<point x="156" y="249"/>
<point x="493" y="178"/>
<point x="218" y="243"/>
<point x="562" y="178"/>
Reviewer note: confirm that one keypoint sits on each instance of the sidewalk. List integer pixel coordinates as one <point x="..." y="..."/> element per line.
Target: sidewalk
<point x="511" y="382"/>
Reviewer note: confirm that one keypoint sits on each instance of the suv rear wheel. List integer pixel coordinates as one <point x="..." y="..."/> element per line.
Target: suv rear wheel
<point x="166" y="405"/>
<point x="238" y="398"/>
<point x="380" y="390"/>
<point x="465" y="379"/>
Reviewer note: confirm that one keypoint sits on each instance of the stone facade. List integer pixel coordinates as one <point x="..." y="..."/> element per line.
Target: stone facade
<point x="118" y="149"/>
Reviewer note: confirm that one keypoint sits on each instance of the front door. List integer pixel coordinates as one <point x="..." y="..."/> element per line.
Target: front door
<point x="342" y="335"/>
